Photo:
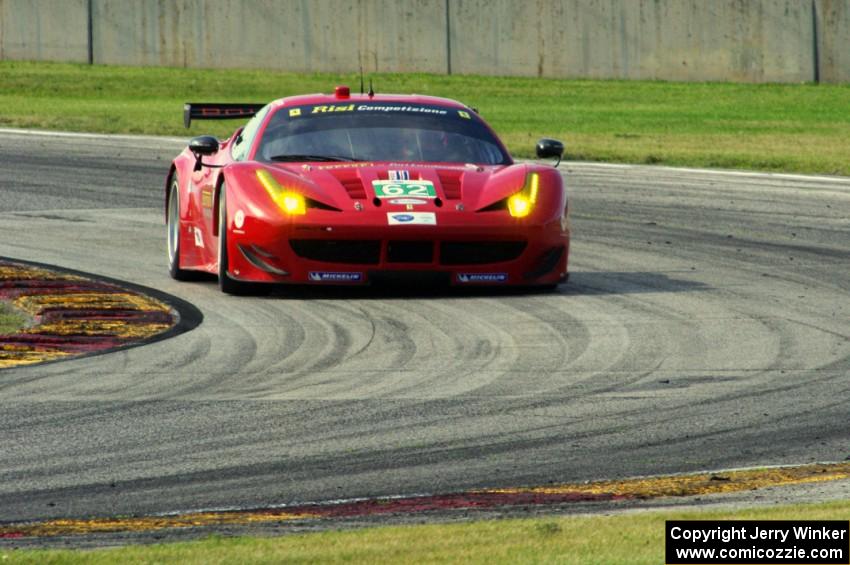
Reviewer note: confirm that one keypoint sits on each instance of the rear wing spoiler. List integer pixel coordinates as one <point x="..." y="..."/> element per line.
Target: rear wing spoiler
<point x="217" y="111"/>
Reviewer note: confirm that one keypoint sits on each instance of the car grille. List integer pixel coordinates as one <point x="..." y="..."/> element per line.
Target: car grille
<point x="356" y="252"/>
<point x="479" y="252"/>
<point x="410" y="252"/>
<point x="368" y="252"/>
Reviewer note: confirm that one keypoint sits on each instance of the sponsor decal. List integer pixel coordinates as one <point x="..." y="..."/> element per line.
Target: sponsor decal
<point x="482" y="277"/>
<point x="463" y="114"/>
<point x="408" y="201"/>
<point x="412" y="218"/>
<point x="400" y="188"/>
<point x="239" y="219"/>
<point x="436" y="110"/>
<point x="322" y="276"/>
<point x="341" y="166"/>
<point x="199" y="238"/>
<point x="399" y="175"/>
<point x="442" y="167"/>
<point x="225" y="112"/>
<point x="330" y="109"/>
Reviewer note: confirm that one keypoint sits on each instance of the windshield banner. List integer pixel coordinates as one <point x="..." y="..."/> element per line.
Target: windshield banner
<point x="319" y="110"/>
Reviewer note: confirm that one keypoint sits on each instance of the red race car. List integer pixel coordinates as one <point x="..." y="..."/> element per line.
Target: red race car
<point x="345" y="188"/>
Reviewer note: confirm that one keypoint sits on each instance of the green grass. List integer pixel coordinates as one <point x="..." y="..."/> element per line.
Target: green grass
<point x="622" y="538"/>
<point x="10" y="319"/>
<point x="799" y="128"/>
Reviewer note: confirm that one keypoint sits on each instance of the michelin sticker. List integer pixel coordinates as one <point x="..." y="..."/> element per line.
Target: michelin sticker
<point x="412" y="218"/>
<point x="321" y="276"/>
<point x="482" y="277"/>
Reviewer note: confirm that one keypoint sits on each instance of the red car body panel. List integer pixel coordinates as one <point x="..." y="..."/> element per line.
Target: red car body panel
<point x="347" y="236"/>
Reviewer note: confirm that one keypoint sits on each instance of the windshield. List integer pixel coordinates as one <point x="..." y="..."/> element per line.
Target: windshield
<point x="378" y="132"/>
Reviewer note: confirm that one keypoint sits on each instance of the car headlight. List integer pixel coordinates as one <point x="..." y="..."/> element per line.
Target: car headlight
<point x="289" y="201"/>
<point x="522" y="203"/>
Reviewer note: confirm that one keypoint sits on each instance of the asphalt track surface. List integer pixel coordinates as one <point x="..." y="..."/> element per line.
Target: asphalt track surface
<point x="705" y="326"/>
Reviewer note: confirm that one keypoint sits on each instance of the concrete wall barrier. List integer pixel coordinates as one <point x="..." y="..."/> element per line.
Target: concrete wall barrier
<point x="44" y="30"/>
<point x="713" y="40"/>
<point x="318" y="35"/>
<point x="689" y="40"/>
<point x="833" y="22"/>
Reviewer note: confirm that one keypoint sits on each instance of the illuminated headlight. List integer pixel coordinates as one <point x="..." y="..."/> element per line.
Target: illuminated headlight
<point x="519" y="205"/>
<point x="522" y="203"/>
<point x="289" y="201"/>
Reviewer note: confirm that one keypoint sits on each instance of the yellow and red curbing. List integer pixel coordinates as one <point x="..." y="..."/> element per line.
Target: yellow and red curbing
<point x="627" y="489"/>
<point x="74" y="315"/>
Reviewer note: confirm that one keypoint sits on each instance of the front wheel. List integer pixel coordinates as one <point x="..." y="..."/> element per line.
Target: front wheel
<point x="173" y="231"/>
<point x="225" y="283"/>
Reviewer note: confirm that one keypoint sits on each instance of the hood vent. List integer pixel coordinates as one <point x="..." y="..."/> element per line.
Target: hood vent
<point x="451" y="184"/>
<point x="352" y="184"/>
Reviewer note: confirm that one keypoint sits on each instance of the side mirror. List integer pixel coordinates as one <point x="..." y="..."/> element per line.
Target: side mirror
<point x="203" y="145"/>
<point x="550" y="148"/>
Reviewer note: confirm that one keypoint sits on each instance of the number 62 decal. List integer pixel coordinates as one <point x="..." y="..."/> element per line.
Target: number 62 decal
<point x="395" y="188"/>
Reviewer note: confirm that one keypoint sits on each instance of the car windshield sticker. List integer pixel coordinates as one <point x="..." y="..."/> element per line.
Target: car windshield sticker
<point x="320" y="276"/>
<point x="396" y="189"/>
<point x="412" y="218"/>
<point x="482" y="277"/>
<point x="399" y="175"/>
<point x="319" y="110"/>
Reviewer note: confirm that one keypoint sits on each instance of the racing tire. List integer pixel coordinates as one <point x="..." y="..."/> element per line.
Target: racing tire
<point x="173" y="233"/>
<point x="225" y="283"/>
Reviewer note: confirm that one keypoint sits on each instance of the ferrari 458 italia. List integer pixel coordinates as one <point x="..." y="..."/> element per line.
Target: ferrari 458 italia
<point x="344" y="188"/>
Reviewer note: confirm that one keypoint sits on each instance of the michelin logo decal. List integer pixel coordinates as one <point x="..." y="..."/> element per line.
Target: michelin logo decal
<point x="320" y="276"/>
<point x="482" y="277"/>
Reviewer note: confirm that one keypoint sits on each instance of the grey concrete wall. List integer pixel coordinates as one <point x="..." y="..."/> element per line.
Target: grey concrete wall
<point x="295" y="35"/>
<point x="727" y="40"/>
<point x="44" y="30"/>
<point x="765" y="40"/>
<point x="833" y="18"/>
